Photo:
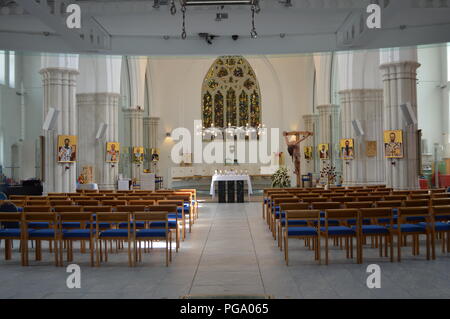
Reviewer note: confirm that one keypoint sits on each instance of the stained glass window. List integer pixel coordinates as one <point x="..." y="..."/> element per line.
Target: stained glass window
<point x="231" y="94"/>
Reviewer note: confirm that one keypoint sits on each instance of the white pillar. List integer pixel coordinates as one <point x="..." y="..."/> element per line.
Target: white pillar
<point x="151" y="126"/>
<point x="59" y="92"/>
<point x="366" y="106"/>
<point x="309" y="121"/>
<point x="399" y="75"/>
<point x="329" y="131"/>
<point x="134" y="124"/>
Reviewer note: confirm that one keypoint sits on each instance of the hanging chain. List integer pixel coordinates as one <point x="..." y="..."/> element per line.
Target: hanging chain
<point x="183" y="34"/>
<point x="253" y="33"/>
<point x="173" y="8"/>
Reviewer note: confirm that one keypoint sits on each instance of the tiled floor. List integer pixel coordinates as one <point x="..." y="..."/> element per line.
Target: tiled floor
<point x="230" y="251"/>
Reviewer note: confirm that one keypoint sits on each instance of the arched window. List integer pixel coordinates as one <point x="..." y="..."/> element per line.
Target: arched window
<point x="230" y="94"/>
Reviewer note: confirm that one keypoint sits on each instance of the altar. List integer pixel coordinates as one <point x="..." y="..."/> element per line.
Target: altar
<point x="230" y="178"/>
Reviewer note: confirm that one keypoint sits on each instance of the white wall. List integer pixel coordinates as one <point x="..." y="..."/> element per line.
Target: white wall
<point x="430" y="101"/>
<point x="285" y="82"/>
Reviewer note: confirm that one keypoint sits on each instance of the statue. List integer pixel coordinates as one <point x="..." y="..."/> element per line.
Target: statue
<point x="294" y="149"/>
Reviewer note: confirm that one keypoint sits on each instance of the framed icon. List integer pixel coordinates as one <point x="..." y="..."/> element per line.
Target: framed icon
<point x="324" y="151"/>
<point x="371" y="148"/>
<point x="155" y="154"/>
<point x="67" y="149"/>
<point x="308" y="150"/>
<point x="347" y="149"/>
<point x="138" y="154"/>
<point x="393" y="144"/>
<point x="112" y="152"/>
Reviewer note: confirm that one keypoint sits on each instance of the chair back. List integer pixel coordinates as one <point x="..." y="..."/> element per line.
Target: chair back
<point x="82" y="217"/>
<point x="279" y="201"/>
<point x="441" y="195"/>
<point x="141" y="202"/>
<point x="97" y="209"/>
<point x="395" y="197"/>
<point x="37" y="202"/>
<point x="367" y="204"/>
<point x="340" y="215"/>
<point x="325" y="205"/>
<point x="441" y="213"/>
<point x="376" y="213"/>
<point x="440" y="201"/>
<point x="91" y="202"/>
<point x="163" y="208"/>
<point x="29" y="209"/>
<point x="130" y="208"/>
<point x="389" y="203"/>
<point x="342" y="199"/>
<point x="72" y="209"/>
<point x="302" y="214"/>
<point x="405" y="212"/>
<point x="293" y="206"/>
<point x="61" y="202"/>
<point x="178" y="203"/>
<point x="416" y="203"/>
<point x="114" y="202"/>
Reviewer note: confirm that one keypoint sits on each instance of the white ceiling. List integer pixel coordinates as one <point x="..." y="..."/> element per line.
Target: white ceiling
<point x="135" y="27"/>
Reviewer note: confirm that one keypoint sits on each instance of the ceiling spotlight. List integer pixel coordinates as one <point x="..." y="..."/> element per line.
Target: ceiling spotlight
<point x="282" y="35"/>
<point x="166" y="37"/>
<point x="156" y="4"/>
<point x="286" y="3"/>
<point x="208" y="37"/>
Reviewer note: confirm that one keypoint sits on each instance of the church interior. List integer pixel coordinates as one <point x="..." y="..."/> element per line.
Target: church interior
<point x="271" y="165"/>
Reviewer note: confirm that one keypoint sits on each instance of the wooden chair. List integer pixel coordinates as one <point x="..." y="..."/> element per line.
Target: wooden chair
<point x="440" y="202"/>
<point x="343" y="199"/>
<point x="114" y="203"/>
<point x="11" y="229"/>
<point x="60" y="203"/>
<point x="17" y="197"/>
<point x="294" y="230"/>
<point x="276" y="211"/>
<point x="37" y="203"/>
<point x="395" y="197"/>
<point x="86" y="202"/>
<point x="141" y="202"/>
<point x="48" y="234"/>
<point x="163" y="233"/>
<point x="440" y="226"/>
<point x="441" y="195"/>
<point x="282" y="219"/>
<point x="175" y="220"/>
<point x="29" y="209"/>
<point x="341" y="231"/>
<point x="105" y="235"/>
<point x="181" y="214"/>
<point x="376" y="231"/>
<point x="83" y="233"/>
<point x="403" y="228"/>
<point x="368" y="204"/>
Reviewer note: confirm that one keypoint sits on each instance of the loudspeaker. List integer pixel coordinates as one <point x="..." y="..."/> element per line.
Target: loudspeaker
<point x="408" y="114"/>
<point x="357" y="127"/>
<point x="50" y="119"/>
<point x="240" y="191"/>
<point x="101" y="131"/>
<point x="222" y="192"/>
<point x="230" y="191"/>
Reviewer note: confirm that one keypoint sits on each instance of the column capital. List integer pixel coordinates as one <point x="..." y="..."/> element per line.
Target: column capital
<point x="360" y="95"/>
<point x="399" y="70"/>
<point x="327" y="108"/>
<point x="58" y="70"/>
<point x="107" y="98"/>
<point x="310" y="117"/>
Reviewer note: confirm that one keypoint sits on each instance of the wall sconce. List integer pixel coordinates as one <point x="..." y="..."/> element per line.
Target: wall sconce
<point x="168" y="134"/>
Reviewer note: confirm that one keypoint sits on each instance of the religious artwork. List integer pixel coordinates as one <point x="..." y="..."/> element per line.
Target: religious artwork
<point x="308" y="150"/>
<point x="154" y="154"/>
<point x="67" y="148"/>
<point x="231" y="94"/>
<point x="86" y="176"/>
<point x="347" y="149"/>
<point x="324" y="151"/>
<point x="293" y="140"/>
<point x="371" y="148"/>
<point x="393" y="144"/>
<point x="138" y="154"/>
<point x="112" y="152"/>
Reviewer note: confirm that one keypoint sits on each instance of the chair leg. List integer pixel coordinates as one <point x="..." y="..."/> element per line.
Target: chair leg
<point x="97" y="252"/>
<point x="286" y="248"/>
<point x="399" y="247"/>
<point x="8" y="249"/>
<point x="326" y="250"/>
<point x="91" y="252"/>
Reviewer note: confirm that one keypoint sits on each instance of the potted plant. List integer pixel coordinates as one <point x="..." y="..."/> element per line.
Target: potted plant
<point x="281" y="179"/>
<point x="328" y="173"/>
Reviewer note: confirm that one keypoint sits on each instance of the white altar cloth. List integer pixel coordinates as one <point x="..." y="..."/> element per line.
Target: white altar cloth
<point x="226" y="178"/>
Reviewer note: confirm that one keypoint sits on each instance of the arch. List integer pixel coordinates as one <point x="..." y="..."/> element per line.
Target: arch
<point x="231" y="94"/>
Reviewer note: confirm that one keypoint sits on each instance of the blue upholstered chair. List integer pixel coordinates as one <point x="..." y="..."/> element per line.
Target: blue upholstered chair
<point x="284" y="207"/>
<point x="51" y="233"/>
<point x="160" y="233"/>
<point x="102" y="236"/>
<point x="375" y="230"/>
<point x="12" y="232"/>
<point x="440" y="226"/>
<point x="175" y="220"/>
<point x="296" y="229"/>
<point x="342" y="230"/>
<point x="72" y="233"/>
<point x="403" y="228"/>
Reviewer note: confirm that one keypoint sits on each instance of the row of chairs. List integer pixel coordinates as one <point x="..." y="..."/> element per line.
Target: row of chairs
<point x="134" y="228"/>
<point x="380" y="224"/>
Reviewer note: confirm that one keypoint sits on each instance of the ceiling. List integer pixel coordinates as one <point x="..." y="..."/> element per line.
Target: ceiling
<point x="138" y="28"/>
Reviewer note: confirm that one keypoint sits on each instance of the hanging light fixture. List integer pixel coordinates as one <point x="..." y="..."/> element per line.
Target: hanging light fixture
<point x="255" y="8"/>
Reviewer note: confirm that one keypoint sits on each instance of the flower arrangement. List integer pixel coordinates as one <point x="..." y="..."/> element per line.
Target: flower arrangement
<point x="281" y="179"/>
<point x="328" y="173"/>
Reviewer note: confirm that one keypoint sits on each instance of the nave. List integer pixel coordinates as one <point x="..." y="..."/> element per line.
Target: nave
<point x="231" y="252"/>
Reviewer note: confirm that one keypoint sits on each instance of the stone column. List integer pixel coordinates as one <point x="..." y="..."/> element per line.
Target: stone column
<point x="151" y="126"/>
<point x="329" y="131"/>
<point x="400" y="86"/>
<point x="95" y="109"/>
<point x="59" y="92"/>
<point x="309" y="121"/>
<point x="134" y="124"/>
<point x="366" y="106"/>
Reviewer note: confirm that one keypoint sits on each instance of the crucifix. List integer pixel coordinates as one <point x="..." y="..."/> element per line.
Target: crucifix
<point x="294" y="149"/>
